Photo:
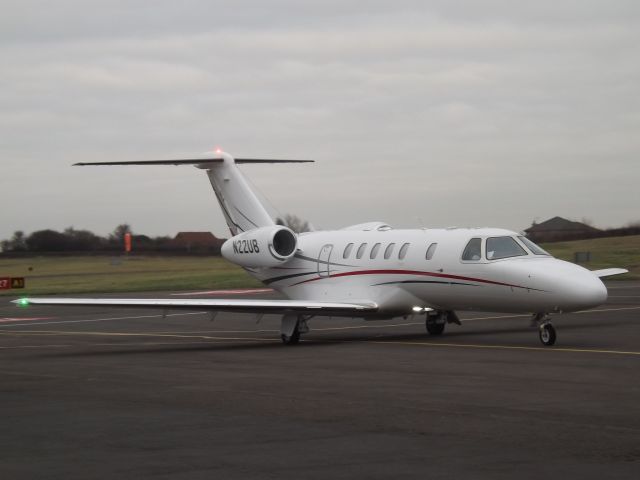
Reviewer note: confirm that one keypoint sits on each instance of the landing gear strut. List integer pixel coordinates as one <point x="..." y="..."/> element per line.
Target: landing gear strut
<point x="291" y="327"/>
<point x="292" y="339"/>
<point x="546" y="330"/>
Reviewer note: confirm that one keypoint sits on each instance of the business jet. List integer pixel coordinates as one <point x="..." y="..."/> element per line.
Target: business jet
<point x="372" y="271"/>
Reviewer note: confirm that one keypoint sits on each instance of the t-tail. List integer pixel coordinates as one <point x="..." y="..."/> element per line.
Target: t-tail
<point x="241" y="207"/>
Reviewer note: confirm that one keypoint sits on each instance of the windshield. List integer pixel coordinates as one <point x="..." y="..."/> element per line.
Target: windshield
<point x="503" y="247"/>
<point x="535" y="249"/>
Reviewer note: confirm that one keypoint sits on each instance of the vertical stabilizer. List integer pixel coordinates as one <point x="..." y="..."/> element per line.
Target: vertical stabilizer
<point x="241" y="208"/>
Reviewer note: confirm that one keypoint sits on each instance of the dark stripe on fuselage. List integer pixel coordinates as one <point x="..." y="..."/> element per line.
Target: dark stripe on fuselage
<point x="425" y="281"/>
<point x="419" y="273"/>
<point x="269" y="281"/>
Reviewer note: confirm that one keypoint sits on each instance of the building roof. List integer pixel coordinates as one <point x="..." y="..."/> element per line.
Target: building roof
<point x="559" y="224"/>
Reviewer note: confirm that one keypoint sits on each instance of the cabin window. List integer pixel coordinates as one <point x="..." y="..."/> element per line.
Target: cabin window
<point x="403" y="251"/>
<point x="535" y="249"/>
<point x="473" y="250"/>
<point x="389" y="250"/>
<point x="361" y="250"/>
<point x="431" y="250"/>
<point x="347" y="251"/>
<point x="503" y="247"/>
<point x="374" y="251"/>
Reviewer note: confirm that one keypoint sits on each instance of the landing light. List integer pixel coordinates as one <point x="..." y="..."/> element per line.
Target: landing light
<point x="417" y="309"/>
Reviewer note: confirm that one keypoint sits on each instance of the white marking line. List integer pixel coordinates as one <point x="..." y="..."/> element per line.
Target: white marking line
<point x="58" y="333"/>
<point x="89" y="320"/>
<point x="138" y="344"/>
<point x="496" y="317"/>
<point x="610" y="309"/>
<point x="226" y="292"/>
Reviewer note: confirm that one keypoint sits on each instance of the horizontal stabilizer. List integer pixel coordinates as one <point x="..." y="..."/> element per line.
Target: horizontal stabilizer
<point x="219" y="305"/>
<point x="192" y="161"/>
<point x="607" y="272"/>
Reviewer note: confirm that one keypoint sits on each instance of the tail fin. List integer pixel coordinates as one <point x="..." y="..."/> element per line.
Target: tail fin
<point x="241" y="208"/>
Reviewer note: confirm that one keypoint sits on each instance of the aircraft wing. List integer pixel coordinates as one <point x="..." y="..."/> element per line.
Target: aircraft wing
<point x="214" y="305"/>
<point x="607" y="272"/>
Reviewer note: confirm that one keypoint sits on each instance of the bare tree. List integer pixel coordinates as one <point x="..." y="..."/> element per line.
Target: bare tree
<point x="17" y="243"/>
<point x="119" y="232"/>
<point x="295" y="223"/>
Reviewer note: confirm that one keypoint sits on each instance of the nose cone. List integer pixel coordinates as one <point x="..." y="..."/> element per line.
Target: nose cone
<point x="580" y="289"/>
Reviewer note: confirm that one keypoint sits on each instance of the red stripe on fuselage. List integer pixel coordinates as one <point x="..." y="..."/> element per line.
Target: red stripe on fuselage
<point x="410" y="272"/>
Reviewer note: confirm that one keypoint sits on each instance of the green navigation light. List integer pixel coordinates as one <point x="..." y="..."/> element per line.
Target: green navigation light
<point x="23" y="302"/>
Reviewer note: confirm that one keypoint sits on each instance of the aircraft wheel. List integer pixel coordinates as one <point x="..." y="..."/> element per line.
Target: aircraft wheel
<point x="547" y="334"/>
<point x="292" y="339"/>
<point x="434" y="328"/>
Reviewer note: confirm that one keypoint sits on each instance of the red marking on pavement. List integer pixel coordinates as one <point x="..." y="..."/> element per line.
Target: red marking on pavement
<point x="24" y="319"/>
<point x="227" y="292"/>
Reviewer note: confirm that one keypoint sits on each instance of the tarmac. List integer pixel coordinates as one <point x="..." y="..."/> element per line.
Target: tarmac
<point x="104" y="393"/>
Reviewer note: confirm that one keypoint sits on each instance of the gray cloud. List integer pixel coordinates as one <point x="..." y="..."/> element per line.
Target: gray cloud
<point x="468" y="113"/>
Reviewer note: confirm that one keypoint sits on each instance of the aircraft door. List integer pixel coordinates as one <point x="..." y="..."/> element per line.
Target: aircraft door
<point x="324" y="260"/>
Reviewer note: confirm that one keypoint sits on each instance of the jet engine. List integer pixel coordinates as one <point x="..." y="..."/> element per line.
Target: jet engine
<point x="263" y="247"/>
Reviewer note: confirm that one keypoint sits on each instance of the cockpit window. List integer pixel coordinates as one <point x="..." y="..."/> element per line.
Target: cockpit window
<point x="535" y="249"/>
<point x="473" y="250"/>
<point x="503" y="247"/>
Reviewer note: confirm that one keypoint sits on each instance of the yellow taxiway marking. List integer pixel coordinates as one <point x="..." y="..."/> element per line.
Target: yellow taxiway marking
<point x="505" y="347"/>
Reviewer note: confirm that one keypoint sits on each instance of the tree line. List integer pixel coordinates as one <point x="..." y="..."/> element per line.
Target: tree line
<point x="74" y="240"/>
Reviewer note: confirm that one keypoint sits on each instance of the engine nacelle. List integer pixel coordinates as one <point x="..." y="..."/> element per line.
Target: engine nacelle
<point x="262" y="247"/>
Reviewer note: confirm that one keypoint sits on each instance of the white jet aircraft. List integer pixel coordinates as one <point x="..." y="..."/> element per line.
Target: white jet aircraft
<point x="374" y="272"/>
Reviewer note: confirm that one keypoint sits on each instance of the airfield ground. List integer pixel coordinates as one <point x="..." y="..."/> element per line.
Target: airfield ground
<point x="137" y="273"/>
<point x="94" y="393"/>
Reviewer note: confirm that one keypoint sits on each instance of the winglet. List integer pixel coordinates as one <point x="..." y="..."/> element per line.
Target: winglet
<point x="607" y="272"/>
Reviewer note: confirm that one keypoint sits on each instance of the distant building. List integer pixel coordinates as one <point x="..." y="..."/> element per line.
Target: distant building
<point x="559" y="229"/>
<point x="197" y="242"/>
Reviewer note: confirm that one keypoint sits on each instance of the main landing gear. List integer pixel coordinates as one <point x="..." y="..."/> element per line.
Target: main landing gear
<point x="546" y="330"/>
<point x="437" y="319"/>
<point x="292" y="327"/>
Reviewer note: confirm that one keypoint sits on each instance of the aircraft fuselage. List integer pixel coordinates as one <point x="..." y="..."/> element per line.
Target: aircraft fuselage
<point x="400" y="278"/>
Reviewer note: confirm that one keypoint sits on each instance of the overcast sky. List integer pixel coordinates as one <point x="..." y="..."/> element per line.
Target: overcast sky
<point x="478" y="113"/>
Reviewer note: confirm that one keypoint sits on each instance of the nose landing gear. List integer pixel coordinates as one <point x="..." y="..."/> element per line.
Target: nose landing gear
<point x="546" y="330"/>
